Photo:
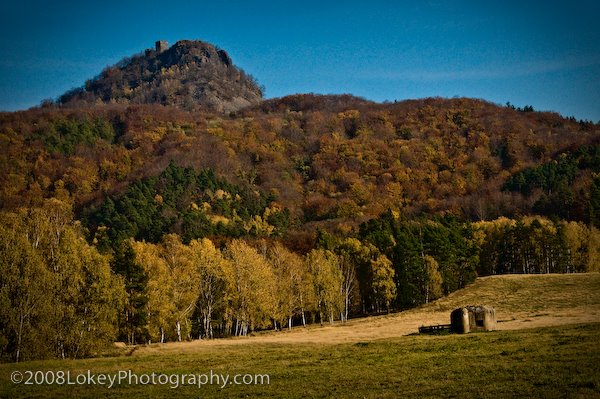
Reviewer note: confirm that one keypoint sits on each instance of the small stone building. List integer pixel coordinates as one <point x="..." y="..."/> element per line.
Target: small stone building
<point x="473" y="318"/>
<point x="161" y="45"/>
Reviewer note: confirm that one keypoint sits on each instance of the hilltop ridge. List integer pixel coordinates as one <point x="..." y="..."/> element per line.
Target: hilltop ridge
<point x="191" y="74"/>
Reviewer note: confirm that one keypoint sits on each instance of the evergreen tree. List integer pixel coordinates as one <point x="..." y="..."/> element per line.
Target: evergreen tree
<point x="408" y="264"/>
<point x="133" y="320"/>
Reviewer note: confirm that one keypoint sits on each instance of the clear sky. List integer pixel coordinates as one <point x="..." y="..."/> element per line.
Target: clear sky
<point x="540" y="53"/>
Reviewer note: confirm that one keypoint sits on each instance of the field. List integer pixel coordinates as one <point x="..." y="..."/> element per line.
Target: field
<point x="546" y="346"/>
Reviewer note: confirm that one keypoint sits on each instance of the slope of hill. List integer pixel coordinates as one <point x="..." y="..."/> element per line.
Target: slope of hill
<point x="332" y="161"/>
<point x="190" y="74"/>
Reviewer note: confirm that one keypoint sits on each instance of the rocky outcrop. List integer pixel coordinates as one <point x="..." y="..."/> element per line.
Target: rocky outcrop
<point x="190" y="74"/>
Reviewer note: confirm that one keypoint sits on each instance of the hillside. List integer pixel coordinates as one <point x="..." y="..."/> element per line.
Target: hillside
<point x="190" y="74"/>
<point x="334" y="163"/>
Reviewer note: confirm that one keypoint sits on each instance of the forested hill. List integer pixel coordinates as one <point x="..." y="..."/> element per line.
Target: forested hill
<point x="191" y="74"/>
<point x="332" y="161"/>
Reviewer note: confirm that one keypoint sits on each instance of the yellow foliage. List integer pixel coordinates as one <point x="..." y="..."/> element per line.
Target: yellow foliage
<point x="349" y="114"/>
<point x="258" y="226"/>
<point x="214" y="219"/>
<point x="221" y="194"/>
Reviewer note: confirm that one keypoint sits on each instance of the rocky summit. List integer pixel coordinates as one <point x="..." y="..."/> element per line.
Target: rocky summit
<point x="191" y="75"/>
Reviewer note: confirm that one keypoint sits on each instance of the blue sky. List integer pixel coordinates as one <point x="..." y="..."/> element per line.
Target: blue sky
<point x="542" y="53"/>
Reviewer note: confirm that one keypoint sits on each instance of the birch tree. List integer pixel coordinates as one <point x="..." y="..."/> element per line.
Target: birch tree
<point x="87" y="297"/>
<point x="58" y="294"/>
<point x="185" y="282"/>
<point x="327" y="280"/>
<point x="291" y="284"/>
<point x="252" y="289"/>
<point x="209" y="266"/>
<point x="25" y="305"/>
<point x="433" y="279"/>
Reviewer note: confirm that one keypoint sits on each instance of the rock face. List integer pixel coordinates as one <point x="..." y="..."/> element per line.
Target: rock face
<point x="190" y="74"/>
<point x="473" y="318"/>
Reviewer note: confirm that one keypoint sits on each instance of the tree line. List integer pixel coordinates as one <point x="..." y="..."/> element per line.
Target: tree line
<point x="197" y="290"/>
<point x="552" y="190"/>
<point x="62" y="297"/>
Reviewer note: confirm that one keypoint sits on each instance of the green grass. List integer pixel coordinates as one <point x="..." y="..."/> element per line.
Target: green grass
<point x="548" y="362"/>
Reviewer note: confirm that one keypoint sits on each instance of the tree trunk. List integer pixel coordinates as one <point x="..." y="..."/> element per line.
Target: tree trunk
<point x="302" y="310"/>
<point x="20" y="336"/>
<point x="208" y="323"/>
<point x="347" y="307"/>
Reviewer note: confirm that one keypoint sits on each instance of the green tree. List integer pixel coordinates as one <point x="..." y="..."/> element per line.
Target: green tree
<point x="134" y="318"/>
<point x="594" y="203"/>
<point x="25" y="304"/>
<point x="160" y="307"/>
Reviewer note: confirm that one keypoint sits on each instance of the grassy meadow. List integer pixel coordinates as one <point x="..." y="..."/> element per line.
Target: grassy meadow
<point x="544" y="363"/>
<point x="547" y="346"/>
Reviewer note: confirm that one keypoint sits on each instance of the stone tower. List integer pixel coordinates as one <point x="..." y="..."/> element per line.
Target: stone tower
<point x="161" y="45"/>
